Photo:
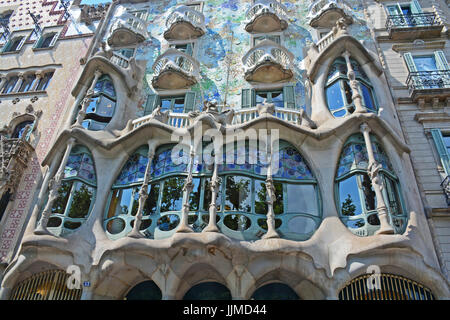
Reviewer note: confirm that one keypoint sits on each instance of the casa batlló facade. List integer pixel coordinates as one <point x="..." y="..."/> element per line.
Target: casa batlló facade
<point x="246" y="150"/>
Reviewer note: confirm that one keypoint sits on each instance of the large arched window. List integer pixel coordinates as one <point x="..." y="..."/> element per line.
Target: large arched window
<point x="20" y="128"/>
<point x="243" y="199"/>
<point x="208" y="291"/>
<point x="103" y="104"/>
<point x="76" y="194"/>
<point x="356" y="199"/>
<point x="339" y="93"/>
<point x="146" y="290"/>
<point x="275" y="291"/>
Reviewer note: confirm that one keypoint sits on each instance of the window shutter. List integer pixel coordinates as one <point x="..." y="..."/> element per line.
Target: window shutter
<point x="22" y="41"/>
<point x="441" y="149"/>
<point x="441" y="60"/>
<point x="410" y="62"/>
<point x="189" y="101"/>
<point x="248" y="98"/>
<point x="152" y="102"/>
<point x="415" y="7"/>
<point x="38" y="42"/>
<point x="289" y="97"/>
<point x="55" y="38"/>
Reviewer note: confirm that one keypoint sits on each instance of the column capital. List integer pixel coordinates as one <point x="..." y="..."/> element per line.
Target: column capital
<point x="364" y="127"/>
<point x="97" y="73"/>
<point x="71" y="141"/>
<point x="346" y="55"/>
<point x="39" y="74"/>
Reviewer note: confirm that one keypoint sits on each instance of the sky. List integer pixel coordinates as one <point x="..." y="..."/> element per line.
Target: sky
<point x="94" y="1"/>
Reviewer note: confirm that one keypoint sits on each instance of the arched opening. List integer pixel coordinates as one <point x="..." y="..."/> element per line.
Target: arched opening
<point x="208" y="291"/>
<point x="76" y="195"/>
<point x="20" y="128"/>
<point x="384" y="286"/>
<point x="146" y="290"/>
<point x="356" y="198"/>
<point x="47" y="285"/>
<point x="102" y="105"/>
<point x="275" y="291"/>
<point x="339" y="92"/>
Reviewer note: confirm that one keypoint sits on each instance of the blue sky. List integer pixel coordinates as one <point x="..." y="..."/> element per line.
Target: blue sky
<point x="94" y="1"/>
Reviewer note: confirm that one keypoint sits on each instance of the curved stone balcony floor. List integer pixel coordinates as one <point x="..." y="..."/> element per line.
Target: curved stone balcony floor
<point x="325" y="13"/>
<point x="184" y="23"/>
<point x="266" y="16"/>
<point x="127" y="30"/>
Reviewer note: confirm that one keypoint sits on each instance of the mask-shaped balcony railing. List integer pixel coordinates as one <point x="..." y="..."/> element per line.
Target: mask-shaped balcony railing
<point x="120" y="60"/>
<point x="175" y="70"/>
<point x="184" y="23"/>
<point x="126" y="30"/>
<point x="266" y="16"/>
<point x="268" y="62"/>
<point x="325" y="13"/>
<point x="424" y="24"/>
<point x="429" y="83"/>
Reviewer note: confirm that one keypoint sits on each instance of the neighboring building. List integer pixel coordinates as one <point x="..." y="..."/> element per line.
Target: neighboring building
<point x="41" y="44"/>
<point x="119" y="217"/>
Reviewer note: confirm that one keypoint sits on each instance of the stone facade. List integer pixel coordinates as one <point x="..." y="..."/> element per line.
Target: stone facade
<point x="158" y="69"/>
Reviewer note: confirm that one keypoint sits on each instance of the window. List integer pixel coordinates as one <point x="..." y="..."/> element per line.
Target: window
<point x="357" y="202"/>
<point x="76" y="194"/>
<point x="10" y="84"/>
<point x="428" y="71"/>
<point x="259" y="39"/>
<point x="28" y="82"/>
<point x="45" y="81"/>
<point x="196" y="6"/>
<point x="4" y="22"/>
<point x="103" y="104"/>
<point x="178" y="104"/>
<point x="187" y="48"/>
<point x="282" y="98"/>
<point x="241" y="203"/>
<point x="140" y="14"/>
<point x="47" y="40"/>
<point x="405" y="14"/>
<point x="20" y="128"/>
<point x="442" y="143"/>
<point x="15" y="44"/>
<point x="339" y="93"/>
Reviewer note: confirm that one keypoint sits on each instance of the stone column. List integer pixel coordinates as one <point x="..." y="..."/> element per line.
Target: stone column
<point x="87" y="99"/>
<point x="143" y="195"/>
<point x="214" y="187"/>
<point x="270" y="189"/>
<point x="54" y="185"/>
<point x="19" y="82"/>
<point x="187" y="189"/>
<point x="2" y="81"/>
<point x="39" y="77"/>
<point x="354" y="85"/>
<point x="373" y="169"/>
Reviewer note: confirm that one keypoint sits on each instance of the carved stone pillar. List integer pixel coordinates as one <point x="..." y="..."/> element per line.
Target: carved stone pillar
<point x="354" y="85"/>
<point x="187" y="189"/>
<point x="373" y="169"/>
<point x="54" y="185"/>
<point x="19" y="82"/>
<point x="2" y="81"/>
<point x="39" y="77"/>
<point x="271" y="197"/>
<point x="143" y="195"/>
<point x="87" y="99"/>
<point x="214" y="187"/>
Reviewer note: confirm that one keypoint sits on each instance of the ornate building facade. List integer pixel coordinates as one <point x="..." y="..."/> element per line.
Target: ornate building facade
<point x="327" y="120"/>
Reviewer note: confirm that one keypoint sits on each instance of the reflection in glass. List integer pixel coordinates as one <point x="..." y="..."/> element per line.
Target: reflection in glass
<point x="302" y="198"/>
<point x="237" y="194"/>
<point x="172" y="196"/>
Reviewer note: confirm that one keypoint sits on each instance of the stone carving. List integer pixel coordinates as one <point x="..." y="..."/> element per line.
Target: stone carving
<point x="210" y="109"/>
<point x="303" y="119"/>
<point x="265" y="108"/>
<point x="162" y="116"/>
<point x="90" y="13"/>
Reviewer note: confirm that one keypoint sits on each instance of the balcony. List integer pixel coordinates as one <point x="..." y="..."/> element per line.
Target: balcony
<point x="127" y="30"/>
<point x="184" y="23"/>
<point x="174" y="70"/>
<point x="429" y="84"/>
<point x="413" y="26"/>
<point x="268" y="62"/>
<point x="325" y="13"/>
<point x="266" y="16"/>
<point x="446" y="188"/>
<point x="249" y="114"/>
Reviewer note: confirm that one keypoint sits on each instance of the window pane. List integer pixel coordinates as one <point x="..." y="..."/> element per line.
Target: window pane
<point x="367" y="96"/>
<point x="393" y="196"/>
<point x="166" y="104"/>
<point x="369" y="194"/>
<point x="179" y="105"/>
<point x="194" y="198"/>
<point x="59" y="205"/>
<point x="302" y="199"/>
<point x="334" y="96"/>
<point x="349" y="197"/>
<point x="260" y="97"/>
<point x="260" y="197"/>
<point x="348" y="92"/>
<point x="46" y="43"/>
<point x="152" y="200"/>
<point x="207" y="196"/>
<point x="277" y="99"/>
<point x="237" y="194"/>
<point x="425" y="63"/>
<point x="81" y="202"/>
<point x="172" y="196"/>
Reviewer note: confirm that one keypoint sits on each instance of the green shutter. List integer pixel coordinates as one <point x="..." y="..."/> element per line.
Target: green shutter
<point x="152" y="102"/>
<point x="394" y="10"/>
<point x="248" y="98"/>
<point x="415" y="7"/>
<point x="21" y="43"/>
<point x="410" y="62"/>
<point x="441" y="60"/>
<point x="289" y="96"/>
<point x="441" y="149"/>
<point x="54" y="39"/>
<point x="189" y="101"/>
<point x="38" y="42"/>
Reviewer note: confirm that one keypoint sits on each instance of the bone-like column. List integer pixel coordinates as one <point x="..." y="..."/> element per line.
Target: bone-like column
<point x="214" y="187"/>
<point x="143" y="195"/>
<point x="187" y="189"/>
<point x="373" y="171"/>
<point x="87" y="99"/>
<point x="54" y="186"/>
<point x="354" y="85"/>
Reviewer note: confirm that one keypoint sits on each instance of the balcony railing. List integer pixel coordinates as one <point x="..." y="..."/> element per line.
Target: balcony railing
<point x="318" y="13"/>
<point x="446" y="188"/>
<point x="175" y="70"/>
<point x="127" y="29"/>
<point x="178" y="120"/>
<point x="120" y="60"/>
<point x="266" y="8"/>
<point x="248" y="114"/>
<point x="275" y="59"/>
<point x="429" y="81"/>
<point x="184" y="23"/>
<point x="413" y="26"/>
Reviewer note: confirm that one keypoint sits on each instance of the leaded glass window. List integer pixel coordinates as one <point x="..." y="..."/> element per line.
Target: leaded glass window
<point x="339" y="93"/>
<point x="102" y="106"/>
<point x="76" y="194"/>
<point x="357" y="202"/>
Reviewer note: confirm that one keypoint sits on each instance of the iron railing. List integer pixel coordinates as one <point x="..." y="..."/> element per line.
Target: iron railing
<point x="446" y="188"/>
<point x="427" y="19"/>
<point x="426" y="80"/>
